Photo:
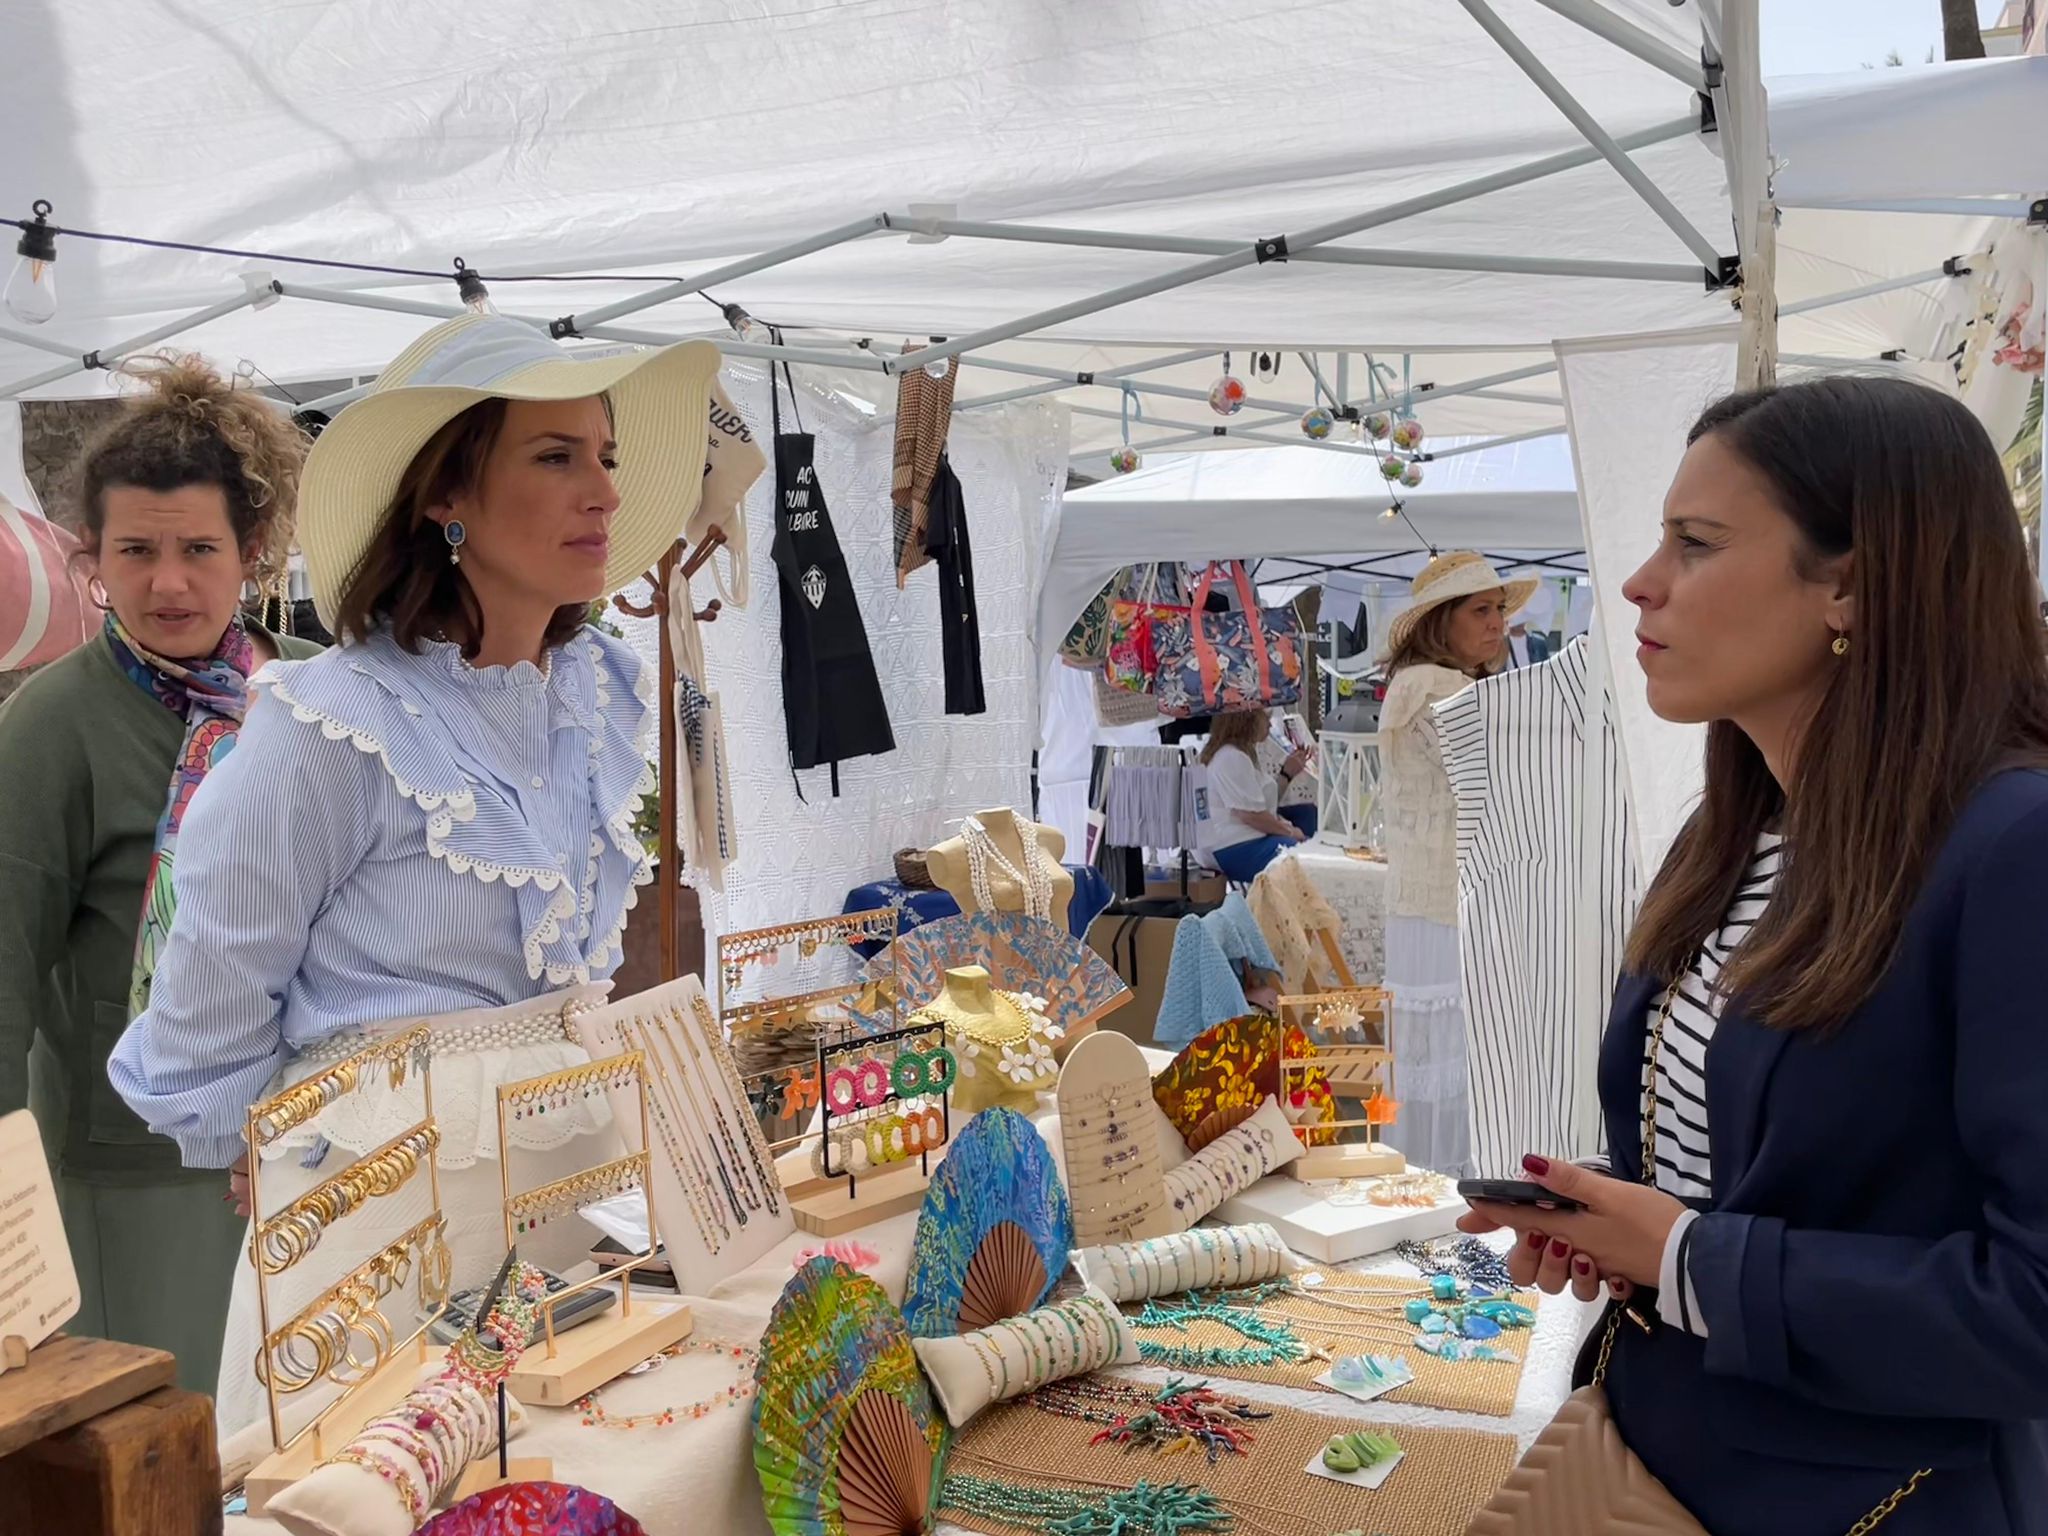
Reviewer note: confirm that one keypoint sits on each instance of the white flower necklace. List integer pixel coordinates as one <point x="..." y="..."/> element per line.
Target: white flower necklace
<point x="1034" y="880"/>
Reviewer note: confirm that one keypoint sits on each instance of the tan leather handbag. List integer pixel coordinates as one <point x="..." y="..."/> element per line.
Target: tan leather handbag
<point x="1580" y="1478"/>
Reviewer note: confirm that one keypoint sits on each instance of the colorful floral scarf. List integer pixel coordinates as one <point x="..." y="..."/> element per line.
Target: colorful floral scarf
<point x="211" y="697"/>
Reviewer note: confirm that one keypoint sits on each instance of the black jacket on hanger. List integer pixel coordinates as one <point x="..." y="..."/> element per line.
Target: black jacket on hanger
<point x="959" y="619"/>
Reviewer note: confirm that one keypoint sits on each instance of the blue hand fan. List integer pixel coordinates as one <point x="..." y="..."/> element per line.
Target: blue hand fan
<point x="993" y="1236"/>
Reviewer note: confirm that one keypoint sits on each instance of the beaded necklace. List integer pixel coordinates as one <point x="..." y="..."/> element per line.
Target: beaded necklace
<point x="1033" y="881"/>
<point x="1166" y="1420"/>
<point x="745" y="1356"/>
<point x="1145" y="1509"/>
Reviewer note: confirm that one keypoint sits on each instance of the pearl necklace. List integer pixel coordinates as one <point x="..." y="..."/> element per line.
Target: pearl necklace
<point x="1034" y="880"/>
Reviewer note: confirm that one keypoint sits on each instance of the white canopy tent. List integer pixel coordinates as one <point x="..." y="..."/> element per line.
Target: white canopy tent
<point x="1298" y="512"/>
<point x="1077" y="166"/>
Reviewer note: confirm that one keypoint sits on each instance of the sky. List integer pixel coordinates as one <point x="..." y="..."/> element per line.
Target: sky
<point x="1817" y="37"/>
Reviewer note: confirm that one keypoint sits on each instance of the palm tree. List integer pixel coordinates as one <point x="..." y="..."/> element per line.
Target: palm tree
<point x="1960" y="38"/>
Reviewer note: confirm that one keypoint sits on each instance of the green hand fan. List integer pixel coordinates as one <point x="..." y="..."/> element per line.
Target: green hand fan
<point x="846" y="1440"/>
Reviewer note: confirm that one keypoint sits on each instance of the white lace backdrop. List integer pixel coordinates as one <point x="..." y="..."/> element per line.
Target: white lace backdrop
<point x="798" y="858"/>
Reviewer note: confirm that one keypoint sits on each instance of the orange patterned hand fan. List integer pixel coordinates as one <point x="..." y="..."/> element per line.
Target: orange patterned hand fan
<point x="1230" y="1069"/>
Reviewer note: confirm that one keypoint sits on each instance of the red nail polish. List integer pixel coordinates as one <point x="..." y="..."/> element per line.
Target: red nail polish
<point x="1559" y="1248"/>
<point x="1535" y="1239"/>
<point x="1536" y="1165"/>
<point x="1581" y="1265"/>
<point x="1614" y="1286"/>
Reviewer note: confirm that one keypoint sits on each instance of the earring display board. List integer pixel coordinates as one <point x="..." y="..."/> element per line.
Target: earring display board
<point x="764" y="947"/>
<point x="1109" y="1144"/>
<point x="1352" y="1033"/>
<point x="342" y="1338"/>
<point x="716" y="1194"/>
<point x="888" y="1094"/>
<point x="564" y="1369"/>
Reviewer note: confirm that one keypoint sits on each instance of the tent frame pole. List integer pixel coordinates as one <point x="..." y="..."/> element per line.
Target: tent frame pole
<point x="580" y="325"/>
<point x="1590" y="129"/>
<point x="1870" y="290"/>
<point x="1285" y="247"/>
<point x="1349" y="256"/>
<point x="106" y="357"/>
<point x="1102" y="376"/>
<point x="1630" y="38"/>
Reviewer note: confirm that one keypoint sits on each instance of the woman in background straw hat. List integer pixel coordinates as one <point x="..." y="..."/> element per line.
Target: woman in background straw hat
<point x="434" y="820"/>
<point x="1453" y="631"/>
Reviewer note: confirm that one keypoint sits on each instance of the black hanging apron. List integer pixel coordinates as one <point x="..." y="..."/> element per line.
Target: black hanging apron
<point x="959" y="619"/>
<point x="831" y="699"/>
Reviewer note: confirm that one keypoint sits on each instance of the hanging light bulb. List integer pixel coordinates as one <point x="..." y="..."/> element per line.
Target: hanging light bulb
<point x="1393" y="511"/>
<point x="746" y="327"/>
<point x="476" y="298"/>
<point x="31" y="293"/>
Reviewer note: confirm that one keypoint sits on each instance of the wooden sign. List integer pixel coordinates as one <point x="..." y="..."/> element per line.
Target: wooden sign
<point x="38" y="1286"/>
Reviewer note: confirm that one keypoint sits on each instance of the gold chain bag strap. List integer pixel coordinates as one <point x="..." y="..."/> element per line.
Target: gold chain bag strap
<point x="1580" y="1478"/>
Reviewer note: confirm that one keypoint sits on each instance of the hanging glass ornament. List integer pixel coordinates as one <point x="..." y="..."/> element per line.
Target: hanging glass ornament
<point x="1411" y="476"/>
<point x="1408" y="434"/>
<point x="1377" y="425"/>
<point x="1316" y="423"/>
<point x="1393" y="467"/>
<point x="1226" y="395"/>
<point x="1124" y="459"/>
<point x="938" y="367"/>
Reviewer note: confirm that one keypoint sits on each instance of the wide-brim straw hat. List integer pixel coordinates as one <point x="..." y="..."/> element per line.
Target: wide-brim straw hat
<point x="660" y="419"/>
<point x="1450" y="577"/>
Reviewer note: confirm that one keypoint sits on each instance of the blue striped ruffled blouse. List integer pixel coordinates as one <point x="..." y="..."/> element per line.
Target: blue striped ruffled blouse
<point x="395" y="835"/>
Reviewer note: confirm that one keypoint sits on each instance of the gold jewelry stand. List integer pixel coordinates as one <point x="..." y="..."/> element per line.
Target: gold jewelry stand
<point x="788" y="1017"/>
<point x="348" y="1315"/>
<point x="558" y="1370"/>
<point x="1361" y="1069"/>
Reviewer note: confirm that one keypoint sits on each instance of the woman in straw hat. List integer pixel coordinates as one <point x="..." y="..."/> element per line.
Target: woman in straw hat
<point x="434" y="820"/>
<point x="1453" y="631"/>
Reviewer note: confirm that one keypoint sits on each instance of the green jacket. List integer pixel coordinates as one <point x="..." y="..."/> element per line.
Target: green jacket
<point x="85" y="766"/>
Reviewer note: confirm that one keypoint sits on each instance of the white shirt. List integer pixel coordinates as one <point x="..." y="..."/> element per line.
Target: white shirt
<point x="1233" y="783"/>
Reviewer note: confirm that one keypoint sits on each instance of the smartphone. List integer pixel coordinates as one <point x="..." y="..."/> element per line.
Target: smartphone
<point x="1516" y="1192"/>
<point x="462" y="1308"/>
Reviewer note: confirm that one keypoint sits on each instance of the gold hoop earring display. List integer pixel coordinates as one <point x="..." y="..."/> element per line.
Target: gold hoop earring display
<point x="1841" y="646"/>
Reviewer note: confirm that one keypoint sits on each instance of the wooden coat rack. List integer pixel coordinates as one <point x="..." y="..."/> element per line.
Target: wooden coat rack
<point x="659" y="581"/>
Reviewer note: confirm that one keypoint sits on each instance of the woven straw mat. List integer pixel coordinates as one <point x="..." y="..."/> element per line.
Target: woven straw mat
<point x="1469" y="1386"/>
<point x="1444" y="1479"/>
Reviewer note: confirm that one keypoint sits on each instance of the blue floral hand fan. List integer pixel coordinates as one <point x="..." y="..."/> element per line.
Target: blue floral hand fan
<point x="993" y="1236"/>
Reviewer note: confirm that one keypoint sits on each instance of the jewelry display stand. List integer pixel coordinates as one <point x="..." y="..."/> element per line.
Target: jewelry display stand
<point x="348" y="1316"/>
<point x="1110" y="1144"/>
<point x="863" y="1076"/>
<point x="608" y="1346"/>
<point x="1351" y="1030"/>
<point x="1002" y="862"/>
<point x="774" y="1041"/>
<point x="712" y="1175"/>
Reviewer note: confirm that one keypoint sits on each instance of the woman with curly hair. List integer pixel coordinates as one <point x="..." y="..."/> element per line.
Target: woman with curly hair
<point x="185" y="499"/>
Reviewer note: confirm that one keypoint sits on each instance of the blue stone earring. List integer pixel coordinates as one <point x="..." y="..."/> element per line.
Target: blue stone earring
<point x="454" y="533"/>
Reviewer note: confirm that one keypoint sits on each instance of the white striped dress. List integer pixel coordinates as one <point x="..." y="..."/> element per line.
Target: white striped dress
<point x="1684" y="1146"/>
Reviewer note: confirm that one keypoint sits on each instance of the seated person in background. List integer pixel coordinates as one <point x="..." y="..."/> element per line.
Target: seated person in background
<point x="1237" y="825"/>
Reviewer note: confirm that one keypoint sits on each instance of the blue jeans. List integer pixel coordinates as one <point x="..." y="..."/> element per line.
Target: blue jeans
<point x="1303" y="816"/>
<point x="1243" y="861"/>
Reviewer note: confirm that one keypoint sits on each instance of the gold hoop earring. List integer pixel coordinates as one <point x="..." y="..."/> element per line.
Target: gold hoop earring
<point x="1841" y="646"/>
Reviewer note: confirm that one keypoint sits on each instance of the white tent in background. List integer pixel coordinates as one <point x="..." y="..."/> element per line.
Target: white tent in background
<point x="1298" y="511"/>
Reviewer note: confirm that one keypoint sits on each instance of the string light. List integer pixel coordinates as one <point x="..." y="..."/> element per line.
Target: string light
<point x="476" y="298"/>
<point x="746" y="327"/>
<point x="31" y="292"/>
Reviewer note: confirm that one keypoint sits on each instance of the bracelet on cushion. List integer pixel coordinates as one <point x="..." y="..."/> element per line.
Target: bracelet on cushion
<point x="1205" y="1258"/>
<point x="1068" y="1338"/>
<point x="1232" y="1163"/>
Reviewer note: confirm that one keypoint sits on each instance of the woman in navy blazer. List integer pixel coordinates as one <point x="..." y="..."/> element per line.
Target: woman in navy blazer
<point x="1849" y="1298"/>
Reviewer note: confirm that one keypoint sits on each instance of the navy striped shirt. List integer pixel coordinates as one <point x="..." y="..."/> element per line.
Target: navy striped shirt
<point x="1684" y="1145"/>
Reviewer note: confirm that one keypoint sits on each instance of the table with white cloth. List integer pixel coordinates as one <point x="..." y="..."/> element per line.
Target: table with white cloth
<point x="697" y="1475"/>
<point x="1357" y="888"/>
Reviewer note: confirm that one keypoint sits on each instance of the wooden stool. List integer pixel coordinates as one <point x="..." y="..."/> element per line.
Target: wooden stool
<point x="94" y="1441"/>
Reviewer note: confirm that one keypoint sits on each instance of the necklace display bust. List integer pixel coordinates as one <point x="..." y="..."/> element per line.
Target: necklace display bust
<point x="1003" y="862"/>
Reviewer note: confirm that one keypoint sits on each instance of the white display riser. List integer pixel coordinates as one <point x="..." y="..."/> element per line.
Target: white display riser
<point x="1331" y="1234"/>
